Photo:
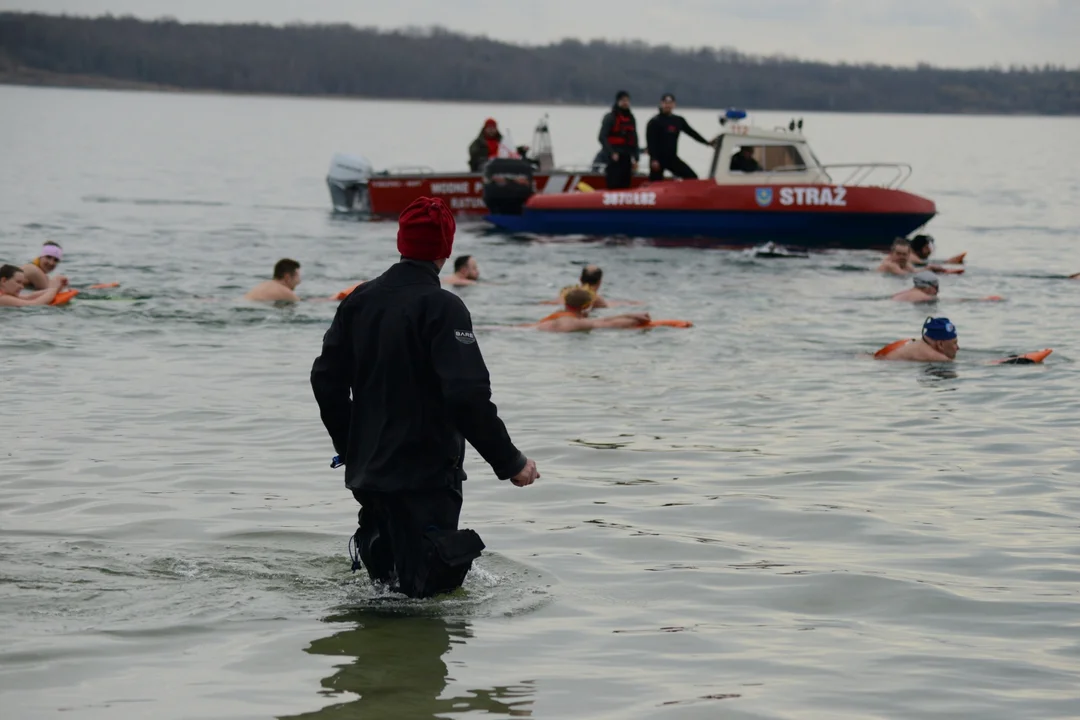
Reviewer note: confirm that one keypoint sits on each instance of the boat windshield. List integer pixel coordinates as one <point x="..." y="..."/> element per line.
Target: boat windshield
<point x="766" y="158"/>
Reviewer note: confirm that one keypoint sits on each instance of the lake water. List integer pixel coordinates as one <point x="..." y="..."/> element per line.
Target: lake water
<point x="747" y="519"/>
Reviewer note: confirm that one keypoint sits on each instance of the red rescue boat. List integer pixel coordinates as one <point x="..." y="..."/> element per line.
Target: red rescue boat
<point x="764" y="186"/>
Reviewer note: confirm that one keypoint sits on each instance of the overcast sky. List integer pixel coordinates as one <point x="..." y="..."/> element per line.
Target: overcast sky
<point x="958" y="33"/>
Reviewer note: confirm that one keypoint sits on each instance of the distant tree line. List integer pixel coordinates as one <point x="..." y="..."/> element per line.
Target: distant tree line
<point x="440" y="65"/>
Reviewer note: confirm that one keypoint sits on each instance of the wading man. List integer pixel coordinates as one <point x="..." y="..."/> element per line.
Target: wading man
<point x="401" y="385"/>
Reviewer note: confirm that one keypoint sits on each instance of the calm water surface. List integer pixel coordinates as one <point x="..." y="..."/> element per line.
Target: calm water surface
<point x="748" y="519"/>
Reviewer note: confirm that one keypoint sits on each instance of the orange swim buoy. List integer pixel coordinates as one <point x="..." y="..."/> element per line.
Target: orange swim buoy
<point x="945" y="271"/>
<point x="888" y="349"/>
<point x="104" y="286"/>
<point x="345" y="293"/>
<point x="64" y="297"/>
<point x="1031" y="358"/>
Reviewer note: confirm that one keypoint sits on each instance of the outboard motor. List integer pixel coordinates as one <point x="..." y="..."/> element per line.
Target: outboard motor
<point x="508" y="183"/>
<point x="348" y="182"/>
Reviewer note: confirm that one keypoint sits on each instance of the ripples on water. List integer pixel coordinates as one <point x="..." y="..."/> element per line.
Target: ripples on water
<point x="747" y="519"/>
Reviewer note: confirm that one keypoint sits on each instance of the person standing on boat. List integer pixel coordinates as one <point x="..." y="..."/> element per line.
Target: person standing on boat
<point x="486" y="145"/>
<point x="662" y="141"/>
<point x="619" y="138"/>
<point x="401" y="385"/>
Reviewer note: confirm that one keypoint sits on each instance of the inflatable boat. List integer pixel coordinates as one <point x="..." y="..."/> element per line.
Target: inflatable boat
<point x="356" y="188"/>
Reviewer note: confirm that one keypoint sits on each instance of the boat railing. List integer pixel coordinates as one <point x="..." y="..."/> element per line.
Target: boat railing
<point x="861" y="173"/>
<point x="409" y="170"/>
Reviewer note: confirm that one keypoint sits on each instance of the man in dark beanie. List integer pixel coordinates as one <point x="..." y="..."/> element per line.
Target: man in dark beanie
<point x="619" y="138"/>
<point x="404" y="349"/>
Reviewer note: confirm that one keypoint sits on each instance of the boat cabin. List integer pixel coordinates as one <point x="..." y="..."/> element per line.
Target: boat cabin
<point x="752" y="155"/>
<point x="765" y="157"/>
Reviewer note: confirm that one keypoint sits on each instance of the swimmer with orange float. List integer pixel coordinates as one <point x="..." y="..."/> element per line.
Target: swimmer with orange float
<point x="466" y="271"/>
<point x="939" y="344"/>
<point x="281" y="287"/>
<point x="575" y="318"/>
<point x="12" y="282"/>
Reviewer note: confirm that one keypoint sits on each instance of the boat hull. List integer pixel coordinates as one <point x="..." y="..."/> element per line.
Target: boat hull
<point x="710" y="214"/>
<point x="463" y="193"/>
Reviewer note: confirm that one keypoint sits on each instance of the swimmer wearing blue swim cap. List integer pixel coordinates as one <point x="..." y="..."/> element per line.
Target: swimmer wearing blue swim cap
<point x="937" y="344"/>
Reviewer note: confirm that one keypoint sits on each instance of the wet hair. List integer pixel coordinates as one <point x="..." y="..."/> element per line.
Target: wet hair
<point x="461" y="261"/>
<point x="921" y="242"/>
<point x="579" y="298"/>
<point x="591" y="275"/>
<point x="9" y="271"/>
<point x="901" y="242"/>
<point x="284" y="267"/>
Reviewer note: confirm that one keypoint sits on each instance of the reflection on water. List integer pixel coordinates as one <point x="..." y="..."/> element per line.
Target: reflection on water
<point x="397" y="669"/>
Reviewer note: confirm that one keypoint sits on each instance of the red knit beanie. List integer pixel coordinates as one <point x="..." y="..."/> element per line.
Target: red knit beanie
<point x="426" y="230"/>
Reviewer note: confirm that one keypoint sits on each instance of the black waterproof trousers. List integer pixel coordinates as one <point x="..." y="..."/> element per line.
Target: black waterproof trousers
<point x="677" y="167"/>
<point x="619" y="172"/>
<point x="411" y="540"/>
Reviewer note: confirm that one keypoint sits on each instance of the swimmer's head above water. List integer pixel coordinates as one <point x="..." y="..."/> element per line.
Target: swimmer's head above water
<point x="900" y="252"/>
<point x="579" y="300"/>
<point x="926" y="281"/>
<point x="50" y="256"/>
<point x="466" y="267"/>
<point x="12" y="280"/>
<point x="940" y="334"/>
<point x="922" y="246"/>
<point x="287" y="272"/>
<point x="591" y="277"/>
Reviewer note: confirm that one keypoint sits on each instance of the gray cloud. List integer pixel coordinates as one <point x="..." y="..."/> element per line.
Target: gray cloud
<point x="943" y="32"/>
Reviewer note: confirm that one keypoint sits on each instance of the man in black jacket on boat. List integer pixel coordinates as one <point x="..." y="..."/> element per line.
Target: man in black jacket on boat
<point x="662" y="140"/>
<point x="404" y="349"/>
<point x="619" y="140"/>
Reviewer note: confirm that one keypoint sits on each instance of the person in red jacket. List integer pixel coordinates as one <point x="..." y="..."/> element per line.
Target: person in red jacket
<point x="619" y="138"/>
<point x="485" y="146"/>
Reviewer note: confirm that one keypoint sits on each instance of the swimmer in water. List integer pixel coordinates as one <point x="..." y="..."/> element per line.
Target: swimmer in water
<point x="925" y="290"/>
<point x="591" y="278"/>
<point x="12" y="282"/>
<point x="575" y="318"/>
<point x="280" y="289"/>
<point x="37" y="270"/>
<point x="898" y="261"/>
<point x="937" y="344"/>
<point x="466" y="271"/>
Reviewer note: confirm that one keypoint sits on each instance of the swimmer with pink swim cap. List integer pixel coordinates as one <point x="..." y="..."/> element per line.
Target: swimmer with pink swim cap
<point x="37" y="270"/>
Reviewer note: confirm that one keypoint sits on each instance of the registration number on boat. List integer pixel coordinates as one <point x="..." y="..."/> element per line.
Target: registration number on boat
<point x="629" y="198"/>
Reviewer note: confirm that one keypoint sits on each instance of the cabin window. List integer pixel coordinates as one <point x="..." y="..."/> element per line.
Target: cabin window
<point x="767" y="158"/>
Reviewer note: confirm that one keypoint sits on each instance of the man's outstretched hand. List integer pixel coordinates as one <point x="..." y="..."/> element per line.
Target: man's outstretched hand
<point x="527" y="476"/>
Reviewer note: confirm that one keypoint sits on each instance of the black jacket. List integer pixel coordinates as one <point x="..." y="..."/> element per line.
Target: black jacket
<point x="662" y="135"/>
<point x="405" y="349"/>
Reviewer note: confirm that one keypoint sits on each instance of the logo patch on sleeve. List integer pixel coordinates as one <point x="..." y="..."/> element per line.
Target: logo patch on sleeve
<point x="464" y="337"/>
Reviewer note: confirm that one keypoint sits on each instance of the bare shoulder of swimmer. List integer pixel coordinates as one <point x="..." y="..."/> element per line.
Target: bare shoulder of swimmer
<point x="270" y="291"/>
<point x="35" y="277"/>
<point x="565" y="324"/>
